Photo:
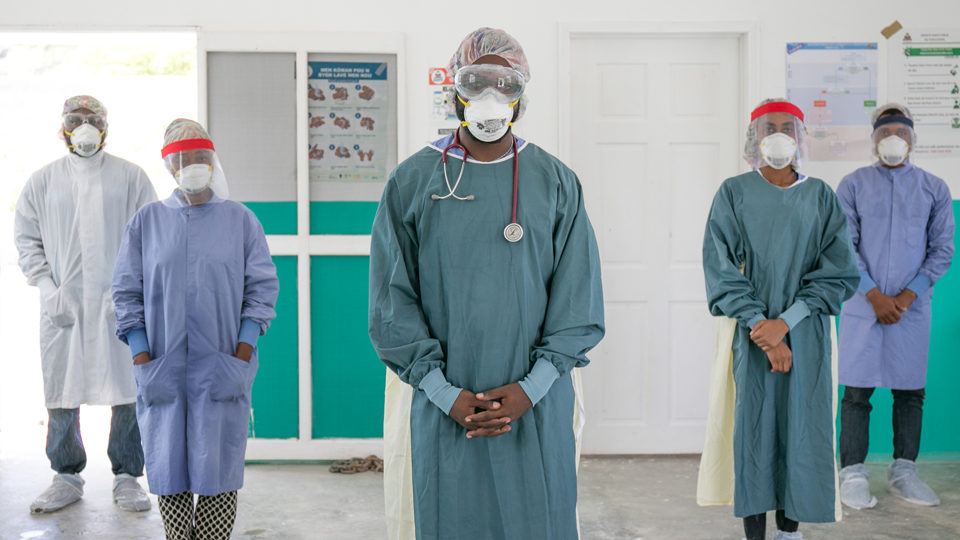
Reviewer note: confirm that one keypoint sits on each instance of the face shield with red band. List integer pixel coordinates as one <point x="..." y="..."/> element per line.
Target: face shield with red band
<point x="196" y="169"/>
<point x="776" y="136"/>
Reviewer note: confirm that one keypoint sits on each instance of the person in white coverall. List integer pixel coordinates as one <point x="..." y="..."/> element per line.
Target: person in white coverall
<point x="69" y="221"/>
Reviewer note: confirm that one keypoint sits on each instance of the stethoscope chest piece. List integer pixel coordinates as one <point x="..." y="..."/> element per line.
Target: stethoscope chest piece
<point x="513" y="232"/>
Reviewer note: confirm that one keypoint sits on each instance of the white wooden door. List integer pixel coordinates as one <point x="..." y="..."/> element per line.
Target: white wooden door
<point x="655" y="125"/>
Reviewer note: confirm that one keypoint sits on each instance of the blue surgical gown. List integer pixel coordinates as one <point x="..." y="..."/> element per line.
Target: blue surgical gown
<point x="447" y="290"/>
<point x="765" y="250"/>
<point x="189" y="274"/>
<point x="901" y="223"/>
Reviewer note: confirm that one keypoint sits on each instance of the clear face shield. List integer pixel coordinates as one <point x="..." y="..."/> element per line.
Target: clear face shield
<point x="196" y="169"/>
<point x="893" y="139"/>
<point x="776" y="137"/>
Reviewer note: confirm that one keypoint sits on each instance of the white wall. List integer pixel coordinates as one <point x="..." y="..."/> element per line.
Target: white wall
<point x="433" y="30"/>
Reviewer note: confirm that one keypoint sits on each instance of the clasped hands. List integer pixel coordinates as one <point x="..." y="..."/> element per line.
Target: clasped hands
<point x="768" y="334"/>
<point x="489" y="414"/>
<point x="889" y="309"/>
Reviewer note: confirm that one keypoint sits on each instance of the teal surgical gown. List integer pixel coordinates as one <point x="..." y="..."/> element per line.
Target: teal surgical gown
<point x="794" y="251"/>
<point x="447" y="290"/>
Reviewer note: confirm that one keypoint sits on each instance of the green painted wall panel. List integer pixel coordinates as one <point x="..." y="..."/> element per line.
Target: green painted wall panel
<point x="347" y="375"/>
<point x="941" y="438"/>
<point x="276" y="217"/>
<point x="342" y="217"/>
<point x="275" y="390"/>
<point x="325" y="217"/>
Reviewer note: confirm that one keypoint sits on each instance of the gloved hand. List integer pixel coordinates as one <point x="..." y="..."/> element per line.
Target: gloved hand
<point x="55" y="304"/>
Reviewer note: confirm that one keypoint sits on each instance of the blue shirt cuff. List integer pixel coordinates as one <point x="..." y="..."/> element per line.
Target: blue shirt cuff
<point x="753" y="322"/>
<point x="137" y="340"/>
<point x="795" y="313"/>
<point x="249" y="332"/>
<point x="538" y="382"/>
<point x="439" y="391"/>
<point x="867" y="283"/>
<point x="920" y="284"/>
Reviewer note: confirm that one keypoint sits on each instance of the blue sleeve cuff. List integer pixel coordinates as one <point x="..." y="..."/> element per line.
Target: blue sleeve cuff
<point x="538" y="382"/>
<point x="137" y="340"/>
<point x="795" y="313"/>
<point x="439" y="391"/>
<point x="867" y="283"/>
<point x="920" y="284"/>
<point x="249" y="332"/>
<point x="756" y="319"/>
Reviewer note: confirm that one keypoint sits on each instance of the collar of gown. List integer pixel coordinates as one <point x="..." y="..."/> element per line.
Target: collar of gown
<point x="444" y="142"/>
<point x="176" y="200"/>
<point x="907" y="167"/>
<point x="86" y="163"/>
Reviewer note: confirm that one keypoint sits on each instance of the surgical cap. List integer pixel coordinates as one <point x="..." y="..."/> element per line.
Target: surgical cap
<point x="879" y="111"/>
<point x="484" y="41"/>
<point x="183" y="129"/>
<point x="84" y="102"/>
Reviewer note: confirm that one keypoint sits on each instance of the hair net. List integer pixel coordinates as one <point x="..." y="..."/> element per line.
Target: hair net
<point x="185" y="143"/>
<point x="759" y="128"/>
<point x="484" y="41"/>
<point x="90" y="103"/>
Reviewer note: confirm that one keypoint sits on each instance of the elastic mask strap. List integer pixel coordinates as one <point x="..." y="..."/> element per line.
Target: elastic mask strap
<point x="464" y="123"/>
<point x="72" y="146"/>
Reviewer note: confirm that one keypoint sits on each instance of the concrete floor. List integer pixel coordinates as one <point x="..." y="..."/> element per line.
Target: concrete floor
<point x="620" y="498"/>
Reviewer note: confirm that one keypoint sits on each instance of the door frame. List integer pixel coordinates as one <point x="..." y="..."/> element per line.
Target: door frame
<point x="747" y="32"/>
<point x="304" y="245"/>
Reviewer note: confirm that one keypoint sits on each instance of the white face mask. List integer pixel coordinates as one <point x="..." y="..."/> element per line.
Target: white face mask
<point x="487" y="119"/>
<point x="193" y="179"/>
<point x="893" y="150"/>
<point x="778" y="150"/>
<point x="86" y="140"/>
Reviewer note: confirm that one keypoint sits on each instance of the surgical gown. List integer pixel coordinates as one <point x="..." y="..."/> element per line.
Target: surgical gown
<point x="901" y="223"/>
<point x="766" y="247"/>
<point x="447" y="290"/>
<point x="189" y="274"/>
<point x="68" y="226"/>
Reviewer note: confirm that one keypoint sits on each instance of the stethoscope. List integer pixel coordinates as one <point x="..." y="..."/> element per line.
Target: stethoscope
<point x="513" y="232"/>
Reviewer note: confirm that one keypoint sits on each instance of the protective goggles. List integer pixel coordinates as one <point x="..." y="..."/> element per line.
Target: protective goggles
<point x="72" y="121"/>
<point x="476" y="81"/>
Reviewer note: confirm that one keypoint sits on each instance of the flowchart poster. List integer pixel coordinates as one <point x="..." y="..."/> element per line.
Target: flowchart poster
<point x="835" y="85"/>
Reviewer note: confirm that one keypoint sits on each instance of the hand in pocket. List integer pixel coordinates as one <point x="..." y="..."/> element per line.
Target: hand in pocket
<point x="55" y="304"/>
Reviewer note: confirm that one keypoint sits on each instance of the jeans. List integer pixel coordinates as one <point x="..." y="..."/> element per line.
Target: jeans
<point x="855" y="424"/>
<point x="65" y="446"/>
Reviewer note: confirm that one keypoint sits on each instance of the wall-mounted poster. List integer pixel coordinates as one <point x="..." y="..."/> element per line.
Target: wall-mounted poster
<point x="348" y="103"/>
<point x="352" y="125"/>
<point x="835" y="84"/>
<point x="924" y="75"/>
